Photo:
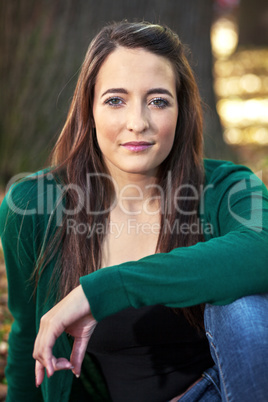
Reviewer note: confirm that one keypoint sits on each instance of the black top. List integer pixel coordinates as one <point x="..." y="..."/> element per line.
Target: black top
<point x="149" y="354"/>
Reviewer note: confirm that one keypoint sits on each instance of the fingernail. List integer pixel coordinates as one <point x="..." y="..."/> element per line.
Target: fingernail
<point x="77" y="375"/>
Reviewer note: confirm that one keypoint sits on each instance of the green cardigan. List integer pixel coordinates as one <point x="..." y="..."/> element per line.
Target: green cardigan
<point x="231" y="263"/>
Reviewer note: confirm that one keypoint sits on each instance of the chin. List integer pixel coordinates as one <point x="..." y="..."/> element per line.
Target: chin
<point x="141" y="171"/>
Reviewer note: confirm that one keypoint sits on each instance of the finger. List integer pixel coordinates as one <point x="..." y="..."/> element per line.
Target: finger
<point x="78" y="353"/>
<point x="39" y="373"/>
<point x="43" y="346"/>
<point x="61" y="364"/>
<point x="45" y="359"/>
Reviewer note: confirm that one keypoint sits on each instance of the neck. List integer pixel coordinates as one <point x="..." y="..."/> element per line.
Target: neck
<point x="136" y="192"/>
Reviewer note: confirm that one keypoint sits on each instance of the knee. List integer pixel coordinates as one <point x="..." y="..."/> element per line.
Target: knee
<point x="243" y="323"/>
<point x="238" y="339"/>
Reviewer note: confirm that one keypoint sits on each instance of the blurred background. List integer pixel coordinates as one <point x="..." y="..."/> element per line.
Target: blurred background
<point x="42" y="46"/>
<point x="43" y="43"/>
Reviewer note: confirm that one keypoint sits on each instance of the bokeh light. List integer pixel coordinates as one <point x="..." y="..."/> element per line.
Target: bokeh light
<point x="241" y="113"/>
<point x="224" y="37"/>
<point x="241" y="86"/>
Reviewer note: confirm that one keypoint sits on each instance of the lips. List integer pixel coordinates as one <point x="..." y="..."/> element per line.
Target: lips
<point x="137" y="146"/>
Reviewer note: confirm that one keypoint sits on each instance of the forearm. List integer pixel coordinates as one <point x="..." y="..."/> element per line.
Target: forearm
<point x="217" y="272"/>
<point x="231" y="264"/>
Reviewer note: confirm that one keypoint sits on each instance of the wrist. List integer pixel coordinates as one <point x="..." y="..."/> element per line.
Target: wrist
<point x="80" y="300"/>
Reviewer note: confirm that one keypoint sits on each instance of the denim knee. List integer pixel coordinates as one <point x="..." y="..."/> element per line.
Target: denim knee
<point x="245" y="319"/>
<point x="238" y="338"/>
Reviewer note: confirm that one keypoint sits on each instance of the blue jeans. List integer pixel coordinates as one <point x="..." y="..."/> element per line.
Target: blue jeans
<point x="238" y="338"/>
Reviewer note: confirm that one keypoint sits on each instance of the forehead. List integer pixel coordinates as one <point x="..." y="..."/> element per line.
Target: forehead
<point x="129" y="67"/>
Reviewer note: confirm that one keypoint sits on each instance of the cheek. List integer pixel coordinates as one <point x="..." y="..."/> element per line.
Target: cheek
<point x="105" y="134"/>
<point x="167" y="132"/>
<point x="107" y="126"/>
<point x="167" y="136"/>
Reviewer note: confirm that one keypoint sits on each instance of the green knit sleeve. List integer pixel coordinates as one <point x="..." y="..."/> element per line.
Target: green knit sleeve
<point x="17" y="236"/>
<point x="231" y="263"/>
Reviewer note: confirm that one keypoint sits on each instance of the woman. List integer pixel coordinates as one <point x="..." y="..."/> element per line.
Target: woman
<point x="184" y="240"/>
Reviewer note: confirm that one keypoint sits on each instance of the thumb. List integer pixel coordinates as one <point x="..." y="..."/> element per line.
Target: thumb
<point x="78" y="353"/>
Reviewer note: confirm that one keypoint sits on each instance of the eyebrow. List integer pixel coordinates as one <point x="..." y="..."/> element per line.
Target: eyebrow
<point x="149" y="92"/>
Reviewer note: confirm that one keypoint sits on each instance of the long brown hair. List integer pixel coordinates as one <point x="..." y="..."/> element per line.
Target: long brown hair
<point x="77" y="154"/>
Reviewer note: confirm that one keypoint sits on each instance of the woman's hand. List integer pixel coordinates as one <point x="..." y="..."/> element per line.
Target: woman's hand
<point x="72" y="315"/>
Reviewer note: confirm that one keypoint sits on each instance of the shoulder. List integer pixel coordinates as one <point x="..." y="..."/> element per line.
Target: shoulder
<point x="31" y="196"/>
<point x="217" y="171"/>
<point x="31" y="187"/>
<point x="233" y="197"/>
<point x="221" y="176"/>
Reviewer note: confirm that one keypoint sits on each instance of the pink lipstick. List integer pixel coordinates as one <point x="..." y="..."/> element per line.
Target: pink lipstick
<point x="137" y="146"/>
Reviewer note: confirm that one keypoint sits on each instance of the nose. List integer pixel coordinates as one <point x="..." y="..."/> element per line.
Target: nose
<point x="137" y="119"/>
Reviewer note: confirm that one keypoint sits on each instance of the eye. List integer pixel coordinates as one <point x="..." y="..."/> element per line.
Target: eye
<point x="159" y="102"/>
<point x="114" y="101"/>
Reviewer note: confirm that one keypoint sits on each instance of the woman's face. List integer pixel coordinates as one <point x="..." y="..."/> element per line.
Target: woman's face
<point x="135" y="111"/>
